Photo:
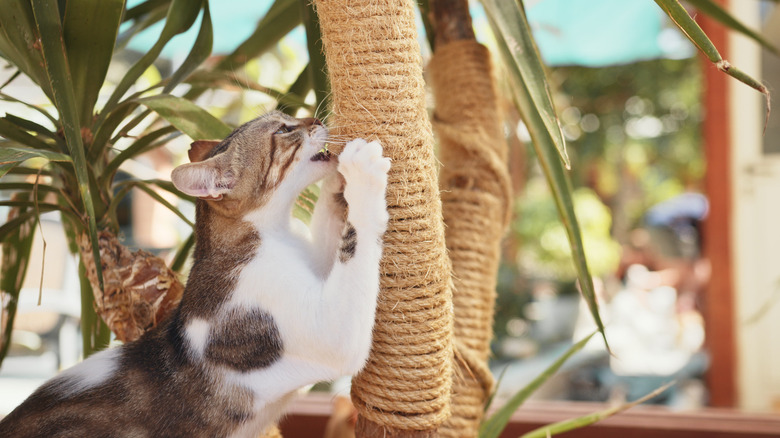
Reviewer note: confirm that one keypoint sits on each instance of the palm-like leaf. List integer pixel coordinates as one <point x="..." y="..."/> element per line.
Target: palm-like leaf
<point x="691" y="29"/>
<point x="69" y="59"/>
<point x="47" y="20"/>
<point x="717" y="12"/>
<point x="17" y="236"/>
<point x="532" y="96"/>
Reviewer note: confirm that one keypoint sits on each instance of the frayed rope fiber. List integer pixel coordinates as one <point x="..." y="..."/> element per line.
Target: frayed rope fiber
<point x="476" y="198"/>
<point x="374" y="63"/>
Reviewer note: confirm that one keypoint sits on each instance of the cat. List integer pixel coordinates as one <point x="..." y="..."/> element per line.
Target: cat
<point x="266" y="309"/>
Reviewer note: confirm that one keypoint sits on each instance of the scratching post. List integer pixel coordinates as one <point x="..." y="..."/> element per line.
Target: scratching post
<point x="374" y="63"/>
<point x="476" y="198"/>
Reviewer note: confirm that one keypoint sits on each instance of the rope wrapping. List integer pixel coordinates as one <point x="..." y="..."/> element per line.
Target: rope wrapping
<point x="477" y="199"/>
<point x="374" y="63"/>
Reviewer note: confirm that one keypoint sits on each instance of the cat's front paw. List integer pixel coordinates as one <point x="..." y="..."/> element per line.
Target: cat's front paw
<point x="362" y="162"/>
<point x="365" y="172"/>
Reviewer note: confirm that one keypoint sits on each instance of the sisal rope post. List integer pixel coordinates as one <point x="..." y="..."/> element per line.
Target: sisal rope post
<point x="476" y="198"/>
<point x="374" y="63"/>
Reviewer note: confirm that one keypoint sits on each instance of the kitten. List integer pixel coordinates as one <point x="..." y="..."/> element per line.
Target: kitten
<point x="266" y="309"/>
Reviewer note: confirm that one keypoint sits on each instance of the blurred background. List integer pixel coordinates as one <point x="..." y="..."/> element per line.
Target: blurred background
<point x="675" y="186"/>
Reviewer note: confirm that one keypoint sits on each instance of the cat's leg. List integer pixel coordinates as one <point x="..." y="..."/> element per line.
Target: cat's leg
<point x="350" y="291"/>
<point x="327" y="223"/>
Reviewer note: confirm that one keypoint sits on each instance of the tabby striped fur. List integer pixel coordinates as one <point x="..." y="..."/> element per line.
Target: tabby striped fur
<point x="268" y="307"/>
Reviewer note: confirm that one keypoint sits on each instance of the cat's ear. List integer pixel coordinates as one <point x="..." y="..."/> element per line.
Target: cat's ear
<point x="199" y="149"/>
<point x="205" y="179"/>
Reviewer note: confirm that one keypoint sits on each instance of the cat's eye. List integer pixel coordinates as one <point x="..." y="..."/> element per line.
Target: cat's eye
<point x="284" y="129"/>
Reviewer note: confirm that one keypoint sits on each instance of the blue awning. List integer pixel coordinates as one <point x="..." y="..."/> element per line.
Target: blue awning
<point x="591" y="33"/>
<point x="598" y="33"/>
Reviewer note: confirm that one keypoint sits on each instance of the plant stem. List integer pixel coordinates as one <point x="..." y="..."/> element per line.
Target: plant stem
<point x="94" y="332"/>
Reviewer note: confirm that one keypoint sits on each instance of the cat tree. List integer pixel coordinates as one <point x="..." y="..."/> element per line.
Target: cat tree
<point x="375" y="69"/>
<point x="476" y="198"/>
<point x="416" y="363"/>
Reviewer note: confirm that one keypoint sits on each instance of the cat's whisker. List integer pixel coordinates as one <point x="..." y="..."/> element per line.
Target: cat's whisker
<point x="319" y="107"/>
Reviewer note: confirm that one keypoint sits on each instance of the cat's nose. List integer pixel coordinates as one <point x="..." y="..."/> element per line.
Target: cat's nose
<point x="311" y="121"/>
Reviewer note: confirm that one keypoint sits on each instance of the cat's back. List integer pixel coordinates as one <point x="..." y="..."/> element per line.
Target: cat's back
<point x="144" y="389"/>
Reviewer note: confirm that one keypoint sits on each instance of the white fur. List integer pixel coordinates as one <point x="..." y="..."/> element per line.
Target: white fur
<point x="93" y="371"/>
<point x="197" y="332"/>
<point x="325" y="314"/>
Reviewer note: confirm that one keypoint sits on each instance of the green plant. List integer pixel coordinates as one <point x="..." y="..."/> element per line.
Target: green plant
<point x="66" y="48"/>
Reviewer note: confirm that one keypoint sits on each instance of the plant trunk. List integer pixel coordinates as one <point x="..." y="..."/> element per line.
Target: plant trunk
<point x="140" y="289"/>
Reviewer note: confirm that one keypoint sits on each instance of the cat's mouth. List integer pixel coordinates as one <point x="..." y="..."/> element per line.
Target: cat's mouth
<point x="323" y="155"/>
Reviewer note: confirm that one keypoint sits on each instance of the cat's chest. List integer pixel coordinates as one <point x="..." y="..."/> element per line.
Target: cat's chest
<point x="281" y="270"/>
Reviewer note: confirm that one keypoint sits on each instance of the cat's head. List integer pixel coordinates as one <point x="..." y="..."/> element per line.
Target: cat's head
<point x="273" y="155"/>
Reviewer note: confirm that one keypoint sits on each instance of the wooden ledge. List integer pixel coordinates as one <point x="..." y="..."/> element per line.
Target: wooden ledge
<point x="309" y="415"/>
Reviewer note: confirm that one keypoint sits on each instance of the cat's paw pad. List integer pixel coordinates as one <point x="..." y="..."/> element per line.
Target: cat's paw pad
<point x="362" y="162"/>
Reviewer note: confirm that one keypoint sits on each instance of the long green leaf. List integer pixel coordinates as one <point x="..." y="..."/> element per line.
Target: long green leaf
<point x="126" y="186"/>
<point x="492" y="427"/>
<point x="106" y="128"/>
<point x="26" y="187"/>
<point x="13" y="131"/>
<point x="42" y="206"/>
<point x="170" y="188"/>
<point x="144" y="8"/>
<point x="511" y="28"/>
<point x="183" y="253"/>
<point x="95" y="333"/>
<point x="28" y="171"/>
<point x="691" y="29"/>
<point x="140" y="146"/>
<point x="300" y="87"/>
<point x="29" y="125"/>
<point x="317" y="64"/>
<point x="47" y="19"/>
<point x="280" y="19"/>
<point x="181" y="16"/>
<point x="12" y="156"/>
<point x="529" y="86"/>
<point x="11" y="78"/>
<point x="16" y="249"/>
<point x="201" y="50"/>
<point x="576" y="423"/>
<point x="218" y="78"/>
<point x="189" y="118"/>
<point x="715" y="11"/>
<point x="36" y="108"/>
<point x="90" y="29"/>
<point x="147" y="20"/>
<point x="18" y="41"/>
<point x="10" y="226"/>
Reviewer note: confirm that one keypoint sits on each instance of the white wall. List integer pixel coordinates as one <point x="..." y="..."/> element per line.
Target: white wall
<point x="756" y="232"/>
